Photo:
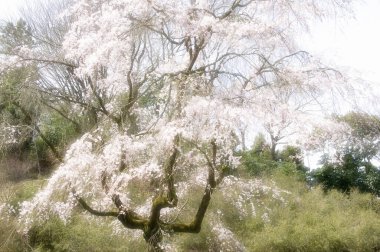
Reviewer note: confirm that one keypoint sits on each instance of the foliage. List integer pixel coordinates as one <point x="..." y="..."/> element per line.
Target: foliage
<point x="314" y="221"/>
<point x="259" y="161"/>
<point x="352" y="173"/>
<point x="57" y="131"/>
<point x="294" y="219"/>
<point x="11" y="195"/>
<point x="10" y="239"/>
<point x="365" y="134"/>
<point x="352" y="143"/>
<point x="15" y="35"/>
<point x="16" y="114"/>
<point x="355" y="132"/>
<point x="19" y="117"/>
<point x="54" y="235"/>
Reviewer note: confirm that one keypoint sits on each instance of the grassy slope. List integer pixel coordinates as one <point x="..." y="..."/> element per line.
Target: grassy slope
<point x="309" y="220"/>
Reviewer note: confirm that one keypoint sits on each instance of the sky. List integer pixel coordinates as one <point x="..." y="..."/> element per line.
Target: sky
<point x="353" y="42"/>
<point x="9" y="8"/>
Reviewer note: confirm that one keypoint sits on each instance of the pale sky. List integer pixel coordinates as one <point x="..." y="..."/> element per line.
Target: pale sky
<point x="9" y="8"/>
<point x="353" y="43"/>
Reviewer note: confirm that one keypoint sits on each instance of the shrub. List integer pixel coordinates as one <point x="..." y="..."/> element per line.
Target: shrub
<point x="80" y="234"/>
<point x="315" y="221"/>
<point x="352" y="173"/>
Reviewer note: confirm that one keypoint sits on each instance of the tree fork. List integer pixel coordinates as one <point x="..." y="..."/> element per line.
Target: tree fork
<point x="152" y="225"/>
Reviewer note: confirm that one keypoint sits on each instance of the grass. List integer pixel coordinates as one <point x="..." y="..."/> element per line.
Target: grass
<point x="80" y="234"/>
<point x="315" y="221"/>
<point x="309" y="220"/>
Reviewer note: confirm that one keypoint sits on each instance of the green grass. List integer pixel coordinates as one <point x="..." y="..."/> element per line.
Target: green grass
<point x="309" y="220"/>
<point x="315" y="221"/>
<point x="79" y="235"/>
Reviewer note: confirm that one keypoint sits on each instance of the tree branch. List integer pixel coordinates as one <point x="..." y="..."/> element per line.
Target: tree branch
<point x="170" y="199"/>
<point x="195" y="225"/>
<point x="93" y="211"/>
<point x="127" y="217"/>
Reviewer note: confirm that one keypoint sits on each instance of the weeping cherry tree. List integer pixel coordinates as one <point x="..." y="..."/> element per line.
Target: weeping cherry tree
<point x="174" y="82"/>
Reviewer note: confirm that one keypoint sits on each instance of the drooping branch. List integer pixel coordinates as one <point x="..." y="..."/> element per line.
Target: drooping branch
<point x="39" y="60"/>
<point x="76" y="124"/>
<point x="89" y="209"/>
<point x="127" y="217"/>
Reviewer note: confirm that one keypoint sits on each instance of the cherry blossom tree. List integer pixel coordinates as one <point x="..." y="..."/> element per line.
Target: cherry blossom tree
<point x="173" y="81"/>
<point x="282" y="111"/>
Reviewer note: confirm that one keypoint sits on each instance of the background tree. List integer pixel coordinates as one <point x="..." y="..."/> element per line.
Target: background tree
<point x="351" y="173"/>
<point x="260" y="163"/>
<point x="21" y="119"/>
<point x="364" y="134"/>
<point x="349" y="164"/>
<point x="58" y="89"/>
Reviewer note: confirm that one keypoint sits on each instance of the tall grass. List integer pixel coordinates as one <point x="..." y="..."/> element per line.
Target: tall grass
<point x="306" y="220"/>
<point x="315" y="221"/>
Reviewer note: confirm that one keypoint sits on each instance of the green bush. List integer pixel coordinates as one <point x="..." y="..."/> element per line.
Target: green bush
<point x="56" y="131"/>
<point x="195" y="242"/>
<point x="260" y="163"/>
<point x="315" y="221"/>
<point x="352" y="173"/>
<point x="13" y="194"/>
<point x="79" y="234"/>
<point x="25" y="190"/>
<point x="10" y="239"/>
